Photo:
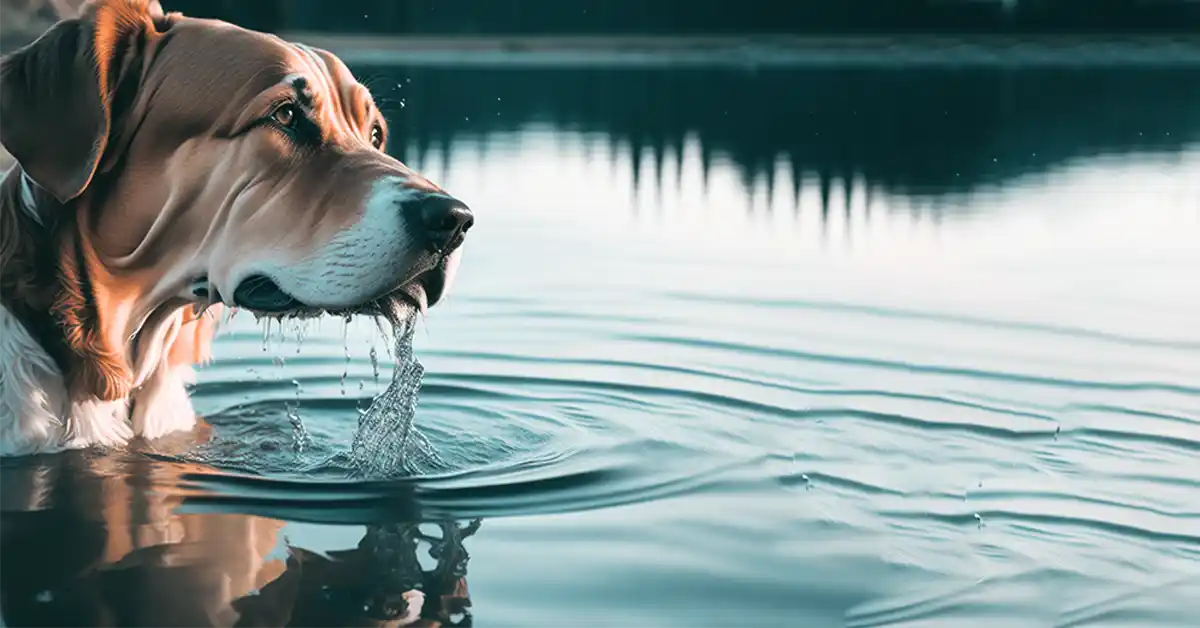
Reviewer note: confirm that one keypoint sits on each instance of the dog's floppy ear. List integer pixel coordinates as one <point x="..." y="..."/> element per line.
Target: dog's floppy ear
<point x="56" y="93"/>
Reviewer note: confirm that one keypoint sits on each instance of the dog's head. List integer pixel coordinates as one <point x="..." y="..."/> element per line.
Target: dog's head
<point x="204" y="163"/>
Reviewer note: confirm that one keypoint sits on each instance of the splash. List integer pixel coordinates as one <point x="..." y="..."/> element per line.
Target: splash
<point x="386" y="444"/>
<point x="300" y="437"/>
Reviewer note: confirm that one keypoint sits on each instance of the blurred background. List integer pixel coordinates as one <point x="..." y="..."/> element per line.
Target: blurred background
<point x="671" y="17"/>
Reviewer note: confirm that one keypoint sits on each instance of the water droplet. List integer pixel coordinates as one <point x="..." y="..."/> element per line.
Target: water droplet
<point x="279" y="361"/>
<point x="979" y="519"/>
<point x="301" y="332"/>
<point x="375" y="363"/>
<point x="300" y="436"/>
<point x="299" y="432"/>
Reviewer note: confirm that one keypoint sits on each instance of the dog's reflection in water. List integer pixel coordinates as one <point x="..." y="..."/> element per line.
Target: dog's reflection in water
<point x="379" y="583"/>
<point x="96" y="541"/>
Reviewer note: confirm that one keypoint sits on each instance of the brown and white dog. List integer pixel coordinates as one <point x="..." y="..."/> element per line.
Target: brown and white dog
<point x="170" y="166"/>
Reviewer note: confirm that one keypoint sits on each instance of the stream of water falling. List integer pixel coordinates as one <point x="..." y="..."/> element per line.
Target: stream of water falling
<point x="385" y="443"/>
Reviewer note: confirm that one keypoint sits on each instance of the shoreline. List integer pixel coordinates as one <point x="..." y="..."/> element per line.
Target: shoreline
<point x="742" y="50"/>
<point x="757" y="50"/>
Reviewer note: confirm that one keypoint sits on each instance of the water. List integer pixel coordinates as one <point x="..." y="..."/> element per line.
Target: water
<point x="386" y="444"/>
<point x="807" y="346"/>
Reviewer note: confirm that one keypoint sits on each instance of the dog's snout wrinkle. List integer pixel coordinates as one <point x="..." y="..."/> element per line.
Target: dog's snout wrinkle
<point x="443" y="221"/>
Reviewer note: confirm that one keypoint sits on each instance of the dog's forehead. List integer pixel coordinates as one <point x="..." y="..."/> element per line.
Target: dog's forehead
<point x="225" y="59"/>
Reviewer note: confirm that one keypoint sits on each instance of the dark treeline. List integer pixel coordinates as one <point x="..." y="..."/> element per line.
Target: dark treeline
<point x="925" y="132"/>
<point x="682" y="17"/>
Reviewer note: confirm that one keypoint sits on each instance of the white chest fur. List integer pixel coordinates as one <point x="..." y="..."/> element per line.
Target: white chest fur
<point x="33" y="398"/>
<point x="37" y="416"/>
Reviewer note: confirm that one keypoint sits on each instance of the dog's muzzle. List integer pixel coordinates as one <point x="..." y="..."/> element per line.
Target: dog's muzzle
<point x="437" y="223"/>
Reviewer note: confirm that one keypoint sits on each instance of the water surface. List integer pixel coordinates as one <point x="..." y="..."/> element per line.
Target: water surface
<point x="813" y="346"/>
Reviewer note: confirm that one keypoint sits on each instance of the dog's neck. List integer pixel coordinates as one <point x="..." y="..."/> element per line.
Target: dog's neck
<point x="47" y="282"/>
<point x="30" y="216"/>
<point x="30" y="223"/>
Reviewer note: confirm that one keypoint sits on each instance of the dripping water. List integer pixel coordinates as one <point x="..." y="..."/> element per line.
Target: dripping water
<point x="301" y="332"/>
<point x="345" y="352"/>
<point x="300" y="437"/>
<point x="375" y="363"/>
<point x="385" y="443"/>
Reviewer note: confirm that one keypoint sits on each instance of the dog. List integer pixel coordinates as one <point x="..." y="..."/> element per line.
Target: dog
<point x="168" y="167"/>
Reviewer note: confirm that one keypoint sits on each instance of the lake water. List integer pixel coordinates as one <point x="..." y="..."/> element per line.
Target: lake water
<point x="781" y="347"/>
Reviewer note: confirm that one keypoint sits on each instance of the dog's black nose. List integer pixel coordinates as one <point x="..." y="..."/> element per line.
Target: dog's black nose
<point x="444" y="220"/>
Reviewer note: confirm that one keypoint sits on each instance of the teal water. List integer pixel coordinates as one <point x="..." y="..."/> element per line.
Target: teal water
<point x="728" y="347"/>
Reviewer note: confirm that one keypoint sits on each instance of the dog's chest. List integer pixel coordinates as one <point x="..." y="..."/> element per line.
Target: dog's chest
<point x="32" y="393"/>
<point x="34" y="401"/>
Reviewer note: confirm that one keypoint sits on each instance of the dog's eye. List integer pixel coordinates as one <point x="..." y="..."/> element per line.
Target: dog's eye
<point x="377" y="136"/>
<point x="285" y="116"/>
